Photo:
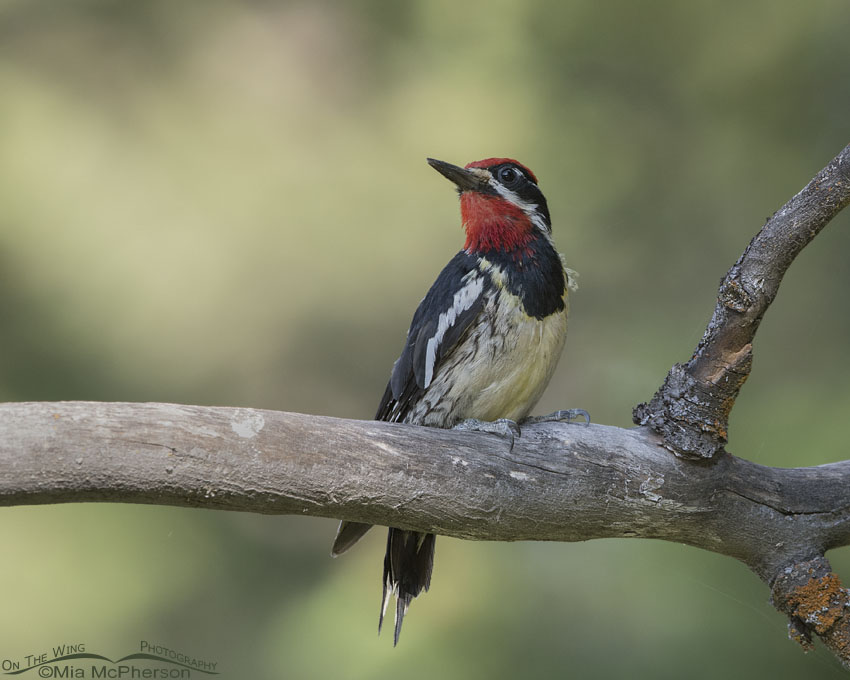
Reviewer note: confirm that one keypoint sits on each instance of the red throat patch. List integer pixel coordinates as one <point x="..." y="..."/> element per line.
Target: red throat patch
<point x="492" y="223"/>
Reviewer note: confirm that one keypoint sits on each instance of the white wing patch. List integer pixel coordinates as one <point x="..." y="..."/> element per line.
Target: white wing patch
<point x="463" y="300"/>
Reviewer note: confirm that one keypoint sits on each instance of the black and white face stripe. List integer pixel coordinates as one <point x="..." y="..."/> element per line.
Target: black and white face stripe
<point x="510" y="181"/>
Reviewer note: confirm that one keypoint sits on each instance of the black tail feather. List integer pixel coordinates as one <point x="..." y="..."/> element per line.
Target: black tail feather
<point x="407" y="571"/>
<point x="347" y="535"/>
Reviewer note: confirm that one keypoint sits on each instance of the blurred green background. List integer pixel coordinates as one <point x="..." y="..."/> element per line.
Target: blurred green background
<point x="228" y="203"/>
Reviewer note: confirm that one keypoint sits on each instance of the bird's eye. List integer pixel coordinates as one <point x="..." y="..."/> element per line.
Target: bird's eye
<point x="509" y="176"/>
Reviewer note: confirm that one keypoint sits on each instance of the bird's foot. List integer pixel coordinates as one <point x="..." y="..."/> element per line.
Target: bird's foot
<point x="503" y="427"/>
<point x="563" y="416"/>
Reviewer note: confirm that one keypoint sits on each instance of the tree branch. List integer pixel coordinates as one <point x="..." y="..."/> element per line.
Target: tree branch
<point x="691" y="409"/>
<point x="559" y="483"/>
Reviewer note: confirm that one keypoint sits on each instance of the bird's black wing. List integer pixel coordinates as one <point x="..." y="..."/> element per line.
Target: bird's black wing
<point x="440" y="321"/>
<point x="442" y="318"/>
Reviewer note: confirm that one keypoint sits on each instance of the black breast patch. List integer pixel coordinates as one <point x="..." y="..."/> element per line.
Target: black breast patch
<point x="536" y="276"/>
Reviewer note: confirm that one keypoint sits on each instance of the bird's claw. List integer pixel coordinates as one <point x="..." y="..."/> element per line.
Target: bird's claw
<point x="562" y="416"/>
<point x="504" y="427"/>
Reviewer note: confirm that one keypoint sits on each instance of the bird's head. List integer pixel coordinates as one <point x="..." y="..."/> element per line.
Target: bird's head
<point x="500" y="204"/>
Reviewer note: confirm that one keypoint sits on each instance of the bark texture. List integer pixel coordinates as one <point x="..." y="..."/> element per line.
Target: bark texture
<point x="559" y="482"/>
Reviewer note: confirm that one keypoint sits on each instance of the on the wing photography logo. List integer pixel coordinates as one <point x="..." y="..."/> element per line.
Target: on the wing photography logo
<point x="152" y="661"/>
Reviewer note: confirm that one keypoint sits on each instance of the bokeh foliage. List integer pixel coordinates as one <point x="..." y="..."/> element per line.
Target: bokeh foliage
<point x="227" y="203"/>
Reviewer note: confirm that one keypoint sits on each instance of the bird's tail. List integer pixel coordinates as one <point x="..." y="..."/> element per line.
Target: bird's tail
<point x="407" y="571"/>
<point x="347" y="535"/>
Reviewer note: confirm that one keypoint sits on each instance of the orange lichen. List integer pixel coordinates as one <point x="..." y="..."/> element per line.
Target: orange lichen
<point x="798" y="633"/>
<point x="812" y="596"/>
<point x="819" y="603"/>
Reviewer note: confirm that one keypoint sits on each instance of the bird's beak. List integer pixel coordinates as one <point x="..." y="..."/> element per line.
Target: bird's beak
<point x="466" y="179"/>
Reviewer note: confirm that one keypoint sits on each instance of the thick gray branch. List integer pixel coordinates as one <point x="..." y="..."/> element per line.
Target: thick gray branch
<point x="691" y="409"/>
<point x="560" y="482"/>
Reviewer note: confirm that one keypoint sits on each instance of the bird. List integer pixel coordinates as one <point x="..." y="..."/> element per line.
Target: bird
<point x="482" y="345"/>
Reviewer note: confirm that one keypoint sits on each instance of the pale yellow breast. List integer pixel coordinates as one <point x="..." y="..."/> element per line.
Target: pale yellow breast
<point x="510" y="384"/>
